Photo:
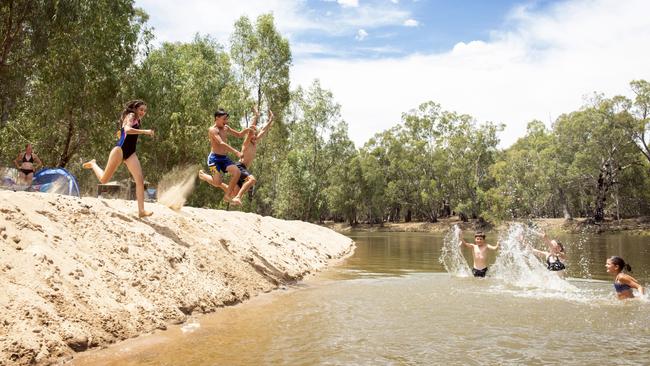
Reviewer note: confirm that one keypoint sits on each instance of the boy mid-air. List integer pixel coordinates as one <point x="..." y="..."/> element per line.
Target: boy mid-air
<point x="218" y="161"/>
<point x="248" y="152"/>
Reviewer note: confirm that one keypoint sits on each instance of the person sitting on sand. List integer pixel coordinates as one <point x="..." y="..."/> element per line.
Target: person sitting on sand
<point x="555" y="255"/>
<point x="124" y="151"/>
<point x="623" y="283"/>
<point x="248" y="150"/>
<point x="27" y="162"/>
<point x="479" y="252"/>
<point x="218" y="161"/>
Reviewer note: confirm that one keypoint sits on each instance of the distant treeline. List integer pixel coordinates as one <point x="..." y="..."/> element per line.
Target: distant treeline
<point x="68" y="67"/>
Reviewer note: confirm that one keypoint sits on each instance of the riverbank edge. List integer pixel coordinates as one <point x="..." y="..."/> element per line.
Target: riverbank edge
<point x="632" y="226"/>
<point x="79" y="274"/>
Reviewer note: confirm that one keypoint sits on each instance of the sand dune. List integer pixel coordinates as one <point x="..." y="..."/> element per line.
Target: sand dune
<point x="79" y="273"/>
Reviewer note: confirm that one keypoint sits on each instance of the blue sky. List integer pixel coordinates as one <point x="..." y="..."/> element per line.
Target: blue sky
<point x="431" y="26"/>
<point x="504" y="61"/>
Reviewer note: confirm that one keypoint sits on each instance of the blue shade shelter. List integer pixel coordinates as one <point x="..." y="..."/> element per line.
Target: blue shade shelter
<point x="55" y="180"/>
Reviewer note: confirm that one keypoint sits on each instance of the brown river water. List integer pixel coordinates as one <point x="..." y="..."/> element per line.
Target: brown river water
<point x="395" y="302"/>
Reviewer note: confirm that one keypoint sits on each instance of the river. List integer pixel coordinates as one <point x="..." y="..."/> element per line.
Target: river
<point x="394" y="303"/>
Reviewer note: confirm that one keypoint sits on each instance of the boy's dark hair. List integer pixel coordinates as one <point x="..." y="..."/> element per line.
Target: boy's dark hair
<point x="561" y="246"/>
<point x="221" y="112"/>
<point x="479" y="234"/>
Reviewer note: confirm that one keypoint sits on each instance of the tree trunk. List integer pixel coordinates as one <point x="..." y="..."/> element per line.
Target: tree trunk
<point x="67" y="150"/>
<point x="599" y="209"/>
<point x="565" y="207"/>
<point x="446" y="209"/>
<point x="605" y="181"/>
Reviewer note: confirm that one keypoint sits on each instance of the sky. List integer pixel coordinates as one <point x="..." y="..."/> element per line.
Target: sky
<point x="503" y="61"/>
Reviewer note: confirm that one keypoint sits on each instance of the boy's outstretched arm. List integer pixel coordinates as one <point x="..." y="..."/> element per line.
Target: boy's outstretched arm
<point x="267" y="126"/>
<point x="493" y="247"/>
<point x="462" y="241"/>
<point x="545" y="238"/>
<point x="256" y="116"/>
<point x="236" y="133"/>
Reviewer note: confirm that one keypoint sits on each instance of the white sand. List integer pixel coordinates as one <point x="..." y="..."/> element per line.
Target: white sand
<point x="79" y="273"/>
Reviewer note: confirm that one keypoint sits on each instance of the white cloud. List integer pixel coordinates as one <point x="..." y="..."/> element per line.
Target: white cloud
<point x="348" y="3"/>
<point x="541" y="68"/>
<point x="361" y="35"/>
<point x="180" y="21"/>
<point x="176" y="21"/>
<point x="411" y="23"/>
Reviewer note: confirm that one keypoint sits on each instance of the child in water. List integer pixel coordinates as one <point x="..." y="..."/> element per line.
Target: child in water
<point x="479" y="252"/>
<point x="555" y="255"/>
<point x="623" y="283"/>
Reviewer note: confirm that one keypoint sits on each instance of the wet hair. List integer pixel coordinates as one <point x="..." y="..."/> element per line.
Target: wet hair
<point x="479" y="234"/>
<point x="620" y="263"/>
<point x="221" y="112"/>
<point x="131" y="107"/>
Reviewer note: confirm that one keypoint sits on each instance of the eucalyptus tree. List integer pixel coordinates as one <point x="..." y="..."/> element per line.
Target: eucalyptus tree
<point x="639" y="128"/>
<point x="467" y="151"/>
<point x="525" y="179"/>
<point x="317" y="144"/>
<point x="261" y="58"/>
<point x="597" y="148"/>
<point x="70" y="102"/>
<point x="373" y="182"/>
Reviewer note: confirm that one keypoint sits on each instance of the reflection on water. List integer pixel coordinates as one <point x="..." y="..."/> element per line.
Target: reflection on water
<point x="393" y="303"/>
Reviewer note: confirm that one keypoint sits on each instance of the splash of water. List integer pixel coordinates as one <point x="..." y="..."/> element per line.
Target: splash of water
<point x="176" y="186"/>
<point x="451" y="257"/>
<point x="585" y="261"/>
<point x="517" y="265"/>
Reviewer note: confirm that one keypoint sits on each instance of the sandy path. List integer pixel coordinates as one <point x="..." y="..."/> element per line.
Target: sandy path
<point x="79" y="273"/>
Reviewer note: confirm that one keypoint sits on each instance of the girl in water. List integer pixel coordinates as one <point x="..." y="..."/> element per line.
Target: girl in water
<point x="124" y="151"/>
<point x="623" y="283"/>
<point x="555" y="256"/>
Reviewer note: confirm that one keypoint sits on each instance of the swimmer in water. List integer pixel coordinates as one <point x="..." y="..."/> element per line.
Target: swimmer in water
<point x="479" y="252"/>
<point x="623" y="282"/>
<point x="555" y="255"/>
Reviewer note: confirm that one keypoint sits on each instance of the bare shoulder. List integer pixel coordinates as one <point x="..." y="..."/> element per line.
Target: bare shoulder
<point x="129" y="120"/>
<point x="624" y="277"/>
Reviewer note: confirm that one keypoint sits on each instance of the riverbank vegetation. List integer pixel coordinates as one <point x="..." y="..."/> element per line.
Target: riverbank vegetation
<point x="66" y="69"/>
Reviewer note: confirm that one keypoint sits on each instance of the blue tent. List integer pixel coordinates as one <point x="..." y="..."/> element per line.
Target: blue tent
<point x="55" y="180"/>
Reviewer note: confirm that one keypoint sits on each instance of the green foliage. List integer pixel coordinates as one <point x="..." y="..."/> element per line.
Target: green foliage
<point x="68" y="67"/>
<point x="261" y="58"/>
<point x="85" y="49"/>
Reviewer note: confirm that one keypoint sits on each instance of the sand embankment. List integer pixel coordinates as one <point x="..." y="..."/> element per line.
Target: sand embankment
<point x="79" y="273"/>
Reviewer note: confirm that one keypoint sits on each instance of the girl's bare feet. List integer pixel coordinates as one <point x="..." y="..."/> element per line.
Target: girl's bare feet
<point x="145" y="213"/>
<point x="89" y="164"/>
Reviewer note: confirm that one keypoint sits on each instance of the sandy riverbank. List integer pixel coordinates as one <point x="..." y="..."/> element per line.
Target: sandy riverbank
<point x="633" y="226"/>
<point x="82" y="273"/>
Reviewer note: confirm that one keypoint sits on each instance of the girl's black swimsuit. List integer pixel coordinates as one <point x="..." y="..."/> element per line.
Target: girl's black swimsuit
<point x="25" y="160"/>
<point x="556" y="265"/>
<point x="128" y="142"/>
